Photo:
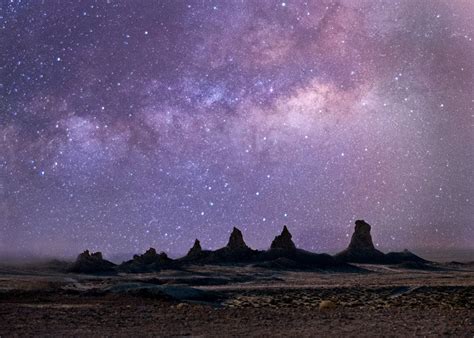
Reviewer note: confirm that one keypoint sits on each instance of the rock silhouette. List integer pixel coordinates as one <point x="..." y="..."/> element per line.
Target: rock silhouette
<point x="88" y="262"/>
<point x="236" y="241"/>
<point x="151" y="256"/>
<point x="196" y="254"/>
<point x="235" y="251"/>
<point x="149" y="261"/>
<point x="361" y="248"/>
<point x="196" y="250"/>
<point x="362" y="239"/>
<point x="282" y="254"/>
<point x="283" y="241"/>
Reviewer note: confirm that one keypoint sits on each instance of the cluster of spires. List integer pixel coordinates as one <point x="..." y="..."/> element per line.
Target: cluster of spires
<point x="282" y="253"/>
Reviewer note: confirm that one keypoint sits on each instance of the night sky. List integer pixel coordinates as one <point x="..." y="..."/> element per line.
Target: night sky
<point x="130" y="124"/>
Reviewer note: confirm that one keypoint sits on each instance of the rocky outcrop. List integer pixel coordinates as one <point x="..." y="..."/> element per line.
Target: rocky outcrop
<point x="361" y="238"/>
<point x="283" y="254"/>
<point x="196" y="250"/>
<point x="361" y="248"/>
<point x="235" y="251"/>
<point x="88" y="262"/>
<point x="283" y="241"/>
<point x="236" y="241"/>
<point x="149" y="261"/>
<point x="196" y="253"/>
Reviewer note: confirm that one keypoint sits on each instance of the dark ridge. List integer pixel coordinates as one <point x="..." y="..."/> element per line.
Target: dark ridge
<point x="88" y="262"/>
<point x="282" y="254"/>
<point x="404" y="256"/>
<point x="149" y="261"/>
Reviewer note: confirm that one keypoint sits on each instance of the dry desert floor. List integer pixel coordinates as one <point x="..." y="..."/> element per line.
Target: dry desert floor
<point x="239" y="301"/>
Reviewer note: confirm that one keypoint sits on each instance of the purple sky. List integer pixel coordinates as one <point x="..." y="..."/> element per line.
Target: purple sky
<point x="130" y="124"/>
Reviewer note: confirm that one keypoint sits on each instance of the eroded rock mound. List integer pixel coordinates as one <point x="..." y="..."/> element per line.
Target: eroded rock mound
<point x="283" y="241"/>
<point x="151" y="257"/>
<point x="88" y="262"/>
<point x="149" y="261"/>
<point x="361" y="249"/>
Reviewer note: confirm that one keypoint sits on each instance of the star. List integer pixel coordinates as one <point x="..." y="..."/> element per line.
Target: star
<point x="124" y="129"/>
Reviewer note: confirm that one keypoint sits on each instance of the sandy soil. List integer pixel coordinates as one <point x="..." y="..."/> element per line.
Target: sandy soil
<point x="239" y="301"/>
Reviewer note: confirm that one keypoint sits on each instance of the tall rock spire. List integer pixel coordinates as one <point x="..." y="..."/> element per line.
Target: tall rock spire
<point x="283" y="241"/>
<point x="361" y="249"/>
<point x="196" y="250"/>
<point x="361" y="238"/>
<point x="236" y="240"/>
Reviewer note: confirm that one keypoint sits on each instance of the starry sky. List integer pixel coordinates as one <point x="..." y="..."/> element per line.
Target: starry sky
<point x="130" y="124"/>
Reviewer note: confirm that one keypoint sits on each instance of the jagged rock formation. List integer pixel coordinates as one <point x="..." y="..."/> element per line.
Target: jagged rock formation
<point x="236" y="241"/>
<point x="196" y="254"/>
<point x="283" y="241"/>
<point x="196" y="250"/>
<point x="149" y="261"/>
<point x="236" y="251"/>
<point x="283" y="254"/>
<point x="361" y="248"/>
<point x="88" y="262"/>
<point x="151" y="257"/>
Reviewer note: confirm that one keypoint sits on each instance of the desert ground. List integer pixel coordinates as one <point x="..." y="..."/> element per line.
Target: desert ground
<point x="205" y="300"/>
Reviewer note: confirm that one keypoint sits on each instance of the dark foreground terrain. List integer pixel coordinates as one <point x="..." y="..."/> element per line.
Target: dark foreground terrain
<point x="386" y="300"/>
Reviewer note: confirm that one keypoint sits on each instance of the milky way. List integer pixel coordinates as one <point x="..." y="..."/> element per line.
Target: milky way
<point x="130" y="124"/>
